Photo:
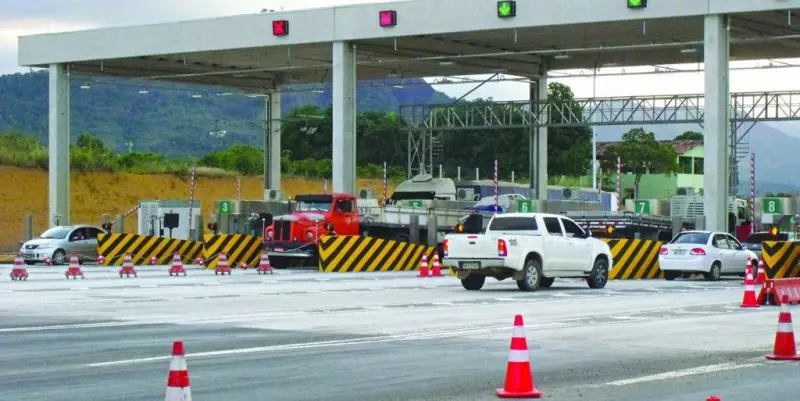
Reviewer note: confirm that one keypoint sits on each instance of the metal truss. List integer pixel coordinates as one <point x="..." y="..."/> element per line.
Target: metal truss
<point x="427" y="123"/>
<point x="634" y="110"/>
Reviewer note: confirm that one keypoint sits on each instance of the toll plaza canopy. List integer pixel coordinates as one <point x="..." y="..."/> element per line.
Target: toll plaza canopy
<point x="260" y="52"/>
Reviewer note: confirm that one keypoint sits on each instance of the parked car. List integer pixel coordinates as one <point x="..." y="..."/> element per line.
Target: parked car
<point x="711" y="253"/>
<point x="57" y="243"/>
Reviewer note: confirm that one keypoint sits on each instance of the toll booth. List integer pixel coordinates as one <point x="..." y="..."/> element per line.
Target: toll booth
<point x="245" y="216"/>
<point x="167" y="218"/>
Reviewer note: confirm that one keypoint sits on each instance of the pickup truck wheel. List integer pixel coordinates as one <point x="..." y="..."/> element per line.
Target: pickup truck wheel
<point x="599" y="275"/>
<point x="546" y="282"/>
<point x="533" y="276"/>
<point x="473" y="282"/>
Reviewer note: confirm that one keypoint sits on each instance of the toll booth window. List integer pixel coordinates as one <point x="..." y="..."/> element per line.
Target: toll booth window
<point x="513" y="224"/>
<point x="552" y="225"/>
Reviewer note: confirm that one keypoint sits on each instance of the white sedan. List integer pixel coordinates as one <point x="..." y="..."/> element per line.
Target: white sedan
<point x="712" y="253"/>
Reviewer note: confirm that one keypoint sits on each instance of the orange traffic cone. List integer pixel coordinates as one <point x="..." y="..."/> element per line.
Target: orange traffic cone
<point x="19" y="272"/>
<point x="177" y="266"/>
<point x="127" y="267"/>
<point x="437" y="270"/>
<point x="222" y="265"/>
<point x="74" y="268"/>
<point x="749" y="299"/>
<point x="519" y="378"/>
<point x="785" y="348"/>
<point x="761" y="277"/>
<point x="178" y="388"/>
<point x="264" y="267"/>
<point x="423" y="270"/>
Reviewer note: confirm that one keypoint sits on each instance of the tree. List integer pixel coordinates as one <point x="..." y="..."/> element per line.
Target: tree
<point x="641" y="154"/>
<point x="569" y="149"/>
<point x="689" y="135"/>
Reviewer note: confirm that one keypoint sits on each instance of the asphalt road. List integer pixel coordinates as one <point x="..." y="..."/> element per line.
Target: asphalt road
<point x="309" y="336"/>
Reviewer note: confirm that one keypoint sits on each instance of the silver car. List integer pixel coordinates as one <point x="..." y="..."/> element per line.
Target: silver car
<point x="58" y="243"/>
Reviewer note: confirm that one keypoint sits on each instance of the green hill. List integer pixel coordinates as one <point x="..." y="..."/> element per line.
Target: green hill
<point x="174" y="120"/>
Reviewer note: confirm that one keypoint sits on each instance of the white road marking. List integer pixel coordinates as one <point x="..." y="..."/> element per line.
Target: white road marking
<point x="699" y="370"/>
<point x="319" y="344"/>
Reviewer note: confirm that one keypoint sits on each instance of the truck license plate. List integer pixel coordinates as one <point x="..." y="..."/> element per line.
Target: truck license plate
<point x="470" y="265"/>
<point x="278" y="249"/>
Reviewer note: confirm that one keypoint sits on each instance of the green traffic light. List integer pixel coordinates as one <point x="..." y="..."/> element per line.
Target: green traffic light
<point x="506" y="9"/>
<point x="637" y="3"/>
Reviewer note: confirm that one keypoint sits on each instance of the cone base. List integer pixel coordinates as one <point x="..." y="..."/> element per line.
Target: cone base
<point x="535" y="393"/>
<point x="774" y="357"/>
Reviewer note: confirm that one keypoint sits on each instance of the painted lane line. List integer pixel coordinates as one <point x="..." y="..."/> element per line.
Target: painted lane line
<point x="309" y="345"/>
<point x="699" y="370"/>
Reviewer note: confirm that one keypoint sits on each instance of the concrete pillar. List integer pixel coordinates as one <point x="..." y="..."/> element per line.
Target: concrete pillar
<point x="119" y="224"/>
<point x="717" y="98"/>
<point x="538" y="141"/>
<point x="344" y="118"/>
<point x="27" y="227"/>
<point x="59" y="146"/>
<point x="272" y="142"/>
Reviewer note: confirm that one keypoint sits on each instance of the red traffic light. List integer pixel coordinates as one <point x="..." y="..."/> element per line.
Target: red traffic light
<point x="388" y="18"/>
<point x="280" y="27"/>
<point x="773" y="231"/>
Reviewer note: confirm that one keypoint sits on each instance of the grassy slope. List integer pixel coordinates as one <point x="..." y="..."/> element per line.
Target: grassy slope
<point x="25" y="190"/>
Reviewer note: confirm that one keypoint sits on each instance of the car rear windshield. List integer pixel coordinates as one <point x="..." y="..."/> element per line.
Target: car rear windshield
<point x="691" y="238"/>
<point x="758" y="238"/>
<point x="513" y="224"/>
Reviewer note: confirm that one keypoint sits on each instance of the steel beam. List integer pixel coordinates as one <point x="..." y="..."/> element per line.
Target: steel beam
<point x="717" y="123"/>
<point x="344" y="118"/>
<point x="272" y="141"/>
<point x="59" y="146"/>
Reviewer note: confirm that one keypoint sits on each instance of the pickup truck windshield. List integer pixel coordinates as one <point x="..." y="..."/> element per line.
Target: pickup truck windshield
<point x="513" y="224"/>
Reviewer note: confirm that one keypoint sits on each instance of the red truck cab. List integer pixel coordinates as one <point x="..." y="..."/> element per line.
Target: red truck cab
<point x="294" y="236"/>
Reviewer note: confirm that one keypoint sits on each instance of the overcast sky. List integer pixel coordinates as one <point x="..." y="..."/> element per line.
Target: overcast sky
<point x="24" y="17"/>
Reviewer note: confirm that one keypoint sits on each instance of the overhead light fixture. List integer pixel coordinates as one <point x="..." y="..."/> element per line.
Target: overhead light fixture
<point x="562" y="56"/>
<point x="225" y="94"/>
<point x="506" y="9"/>
<point x="446" y="63"/>
<point x="398" y="86"/>
<point x="387" y="18"/>
<point x="86" y="86"/>
<point x="689" y="50"/>
<point x="197" y="96"/>
<point x="143" y="92"/>
<point x="280" y="27"/>
<point x="256" y="95"/>
<point x="637" y="3"/>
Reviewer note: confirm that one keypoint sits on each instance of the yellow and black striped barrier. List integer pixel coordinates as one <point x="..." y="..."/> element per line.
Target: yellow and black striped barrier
<point x="345" y="253"/>
<point x="634" y="259"/>
<point x="143" y="247"/>
<point x="237" y="247"/>
<point x="781" y="258"/>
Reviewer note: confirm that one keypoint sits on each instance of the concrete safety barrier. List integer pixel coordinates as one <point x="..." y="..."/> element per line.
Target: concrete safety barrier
<point x="346" y="253"/>
<point x="634" y="259"/>
<point x="781" y="259"/>
<point x="237" y="247"/>
<point x="143" y="247"/>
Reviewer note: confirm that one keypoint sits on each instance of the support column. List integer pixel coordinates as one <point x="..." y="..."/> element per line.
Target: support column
<point x="344" y="118"/>
<point x="538" y="140"/>
<point x="272" y="142"/>
<point x="717" y="98"/>
<point x="59" y="146"/>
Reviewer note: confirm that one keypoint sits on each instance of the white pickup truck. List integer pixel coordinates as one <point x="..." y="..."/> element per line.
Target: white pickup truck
<point x="532" y="248"/>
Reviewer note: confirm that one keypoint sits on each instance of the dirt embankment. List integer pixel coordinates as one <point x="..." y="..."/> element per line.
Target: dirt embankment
<point x="25" y="191"/>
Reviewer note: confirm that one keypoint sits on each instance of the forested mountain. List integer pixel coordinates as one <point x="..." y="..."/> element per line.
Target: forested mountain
<point x="174" y="120"/>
